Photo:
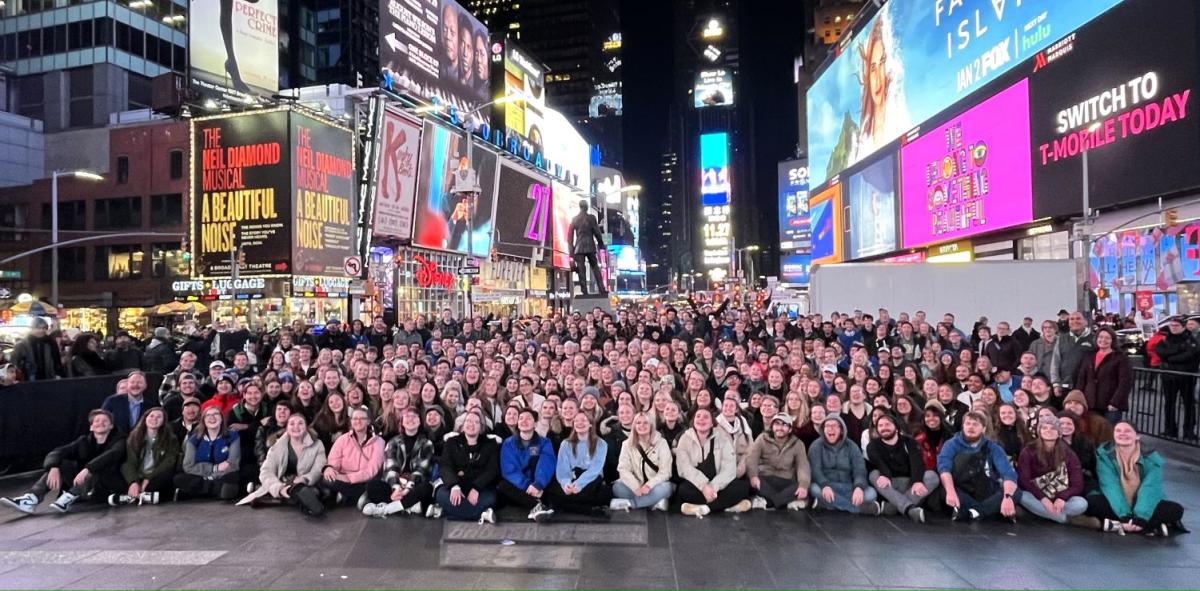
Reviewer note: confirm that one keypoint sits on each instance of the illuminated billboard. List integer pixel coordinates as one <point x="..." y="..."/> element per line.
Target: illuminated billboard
<point x="794" y="235"/>
<point x="871" y="197"/>
<point x="970" y="175"/>
<point x="912" y="60"/>
<point x="716" y="228"/>
<point x="233" y="48"/>
<point x="516" y="74"/>
<point x="399" y="143"/>
<point x="825" y="217"/>
<point x="713" y="88"/>
<point x="606" y="100"/>
<point x="448" y="184"/>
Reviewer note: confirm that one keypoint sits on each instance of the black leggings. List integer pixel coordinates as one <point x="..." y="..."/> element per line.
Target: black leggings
<point x="585" y="501"/>
<point x="735" y="492"/>
<point x="193" y="486"/>
<point x="1168" y="512"/>
<point x="97" y="485"/>
<point x="350" y="491"/>
<point x="379" y="491"/>
<point x="163" y="482"/>
<point x="517" y="498"/>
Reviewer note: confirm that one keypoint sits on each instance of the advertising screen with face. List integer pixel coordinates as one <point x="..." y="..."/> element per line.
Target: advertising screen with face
<point x="914" y="59"/>
<point x="970" y="175"/>
<point x="871" y="195"/>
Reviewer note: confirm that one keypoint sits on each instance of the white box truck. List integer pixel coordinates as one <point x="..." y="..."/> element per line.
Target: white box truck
<point x="1000" y="290"/>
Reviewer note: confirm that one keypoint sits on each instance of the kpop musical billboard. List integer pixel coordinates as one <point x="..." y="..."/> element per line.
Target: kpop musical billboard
<point x="233" y="48"/>
<point x="825" y="219"/>
<point x="435" y="49"/>
<point x="970" y="175"/>
<point x="914" y="59"/>
<point x="1129" y="104"/>
<point x="871" y="197"/>
<point x="455" y="193"/>
<point x="399" y="144"/>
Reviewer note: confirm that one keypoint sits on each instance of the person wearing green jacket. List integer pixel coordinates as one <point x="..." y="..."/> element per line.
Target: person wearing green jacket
<point x="1131" y="497"/>
<point x="151" y="455"/>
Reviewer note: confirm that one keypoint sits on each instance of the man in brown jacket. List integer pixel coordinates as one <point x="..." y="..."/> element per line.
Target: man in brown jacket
<point x="777" y="464"/>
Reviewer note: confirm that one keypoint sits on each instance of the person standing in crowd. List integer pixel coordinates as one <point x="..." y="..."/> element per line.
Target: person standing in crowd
<point x="125" y="355"/>
<point x="1106" y="377"/>
<point x="1132" y="498"/>
<point x="1069" y="351"/>
<point x="37" y="356"/>
<point x="707" y="468"/>
<point x="160" y="352"/>
<point x="84" y="467"/>
<point x="977" y="476"/>
<point x="1026" y="334"/>
<point x="470" y="469"/>
<point x="1179" y="352"/>
<point x="85" y="357"/>
<point x="899" y="474"/>
<point x="839" y="472"/>
<point x="187" y="366"/>
<point x="1043" y="348"/>
<point x="644" y="469"/>
<point x="777" y="465"/>
<point x="527" y="467"/>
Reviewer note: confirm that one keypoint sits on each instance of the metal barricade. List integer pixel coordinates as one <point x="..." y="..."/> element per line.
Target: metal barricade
<point x="1163" y="404"/>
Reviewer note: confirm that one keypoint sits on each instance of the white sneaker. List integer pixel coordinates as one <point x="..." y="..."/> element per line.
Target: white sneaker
<point x="661" y="505"/>
<point x="797" y="505"/>
<point x="540" y="513"/>
<point x="415" y="510"/>
<point x="375" y="509"/>
<point x="434" y="511"/>
<point x="25" y="503"/>
<point x="488" y="516"/>
<point x="742" y="506"/>
<point x="698" y="511"/>
<point x="116" y="500"/>
<point x="620" y="505"/>
<point x="148" y="498"/>
<point x="250" y="486"/>
<point x="64" y="502"/>
<point x="758" y="503"/>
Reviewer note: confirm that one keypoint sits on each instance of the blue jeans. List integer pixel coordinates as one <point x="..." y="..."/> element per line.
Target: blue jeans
<point x="989" y="507"/>
<point x="842" y="491"/>
<point x="465" y="511"/>
<point x="1075" y="506"/>
<point x="660" y="491"/>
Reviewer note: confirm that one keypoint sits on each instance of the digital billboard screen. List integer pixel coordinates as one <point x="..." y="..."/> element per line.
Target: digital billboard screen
<point x="825" y="219"/>
<point x="713" y="88"/>
<point x="871" y="196"/>
<point x="399" y="145"/>
<point x="970" y="175"/>
<point x="241" y="194"/>
<point x="522" y="211"/>
<point x="1127" y="102"/>
<point x="626" y="257"/>
<point x="446" y="186"/>
<point x="233" y="48"/>
<point x="913" y="60"/>
<point x="793" y="268"/>
<point x="564" y="206"/>
<point x="520" y="76"/>
<point x="325" y="206"/>
<point x="435" y="48"/>
<point x="794" y="234"/>
<point x="606" y="100"/>
<point x="716" y="227"/>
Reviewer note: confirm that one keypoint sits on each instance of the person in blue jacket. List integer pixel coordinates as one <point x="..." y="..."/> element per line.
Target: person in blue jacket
<point x="527" y="466"/>
<point x="578" y="485"/>
<point x="978" y="479"/>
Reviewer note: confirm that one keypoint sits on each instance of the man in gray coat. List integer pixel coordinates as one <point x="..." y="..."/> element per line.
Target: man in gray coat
<point x="1069" y="351"/>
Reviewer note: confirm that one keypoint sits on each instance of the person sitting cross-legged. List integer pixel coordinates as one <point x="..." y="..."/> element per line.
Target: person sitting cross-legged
<point x="839" y="472"/>
<point x="777" y="465"/>
<point x="899" y="476"/>
<point x="644" y="468"/>
<point x="978" y="479"/>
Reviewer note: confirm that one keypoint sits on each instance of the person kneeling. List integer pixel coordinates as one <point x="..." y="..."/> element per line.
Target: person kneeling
<point x="292" y="469"/>
<point x="1131" y="498"/>
<point x="407" y="472"/>
<point x="708" y="469"/>
<point x="527" y="466"/>
<point x="777" y="464"/>
<point x="77" y="469"/>
<point x="839" y="473"/>
<point x="978" y="479"/>
<point x="644" y="468"/>
<point x="578" y="485"/>
<point x="899" y="476"/>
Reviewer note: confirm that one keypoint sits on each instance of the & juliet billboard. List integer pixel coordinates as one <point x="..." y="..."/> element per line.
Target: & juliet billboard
<point x="522" y="211"/>
<point x="971" y="174"/>
<point x="1128" y="102"/>
<point x="277" y="184"/>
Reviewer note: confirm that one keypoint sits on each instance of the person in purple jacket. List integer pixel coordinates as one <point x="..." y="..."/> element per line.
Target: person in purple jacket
<point x="1050" y="476"/>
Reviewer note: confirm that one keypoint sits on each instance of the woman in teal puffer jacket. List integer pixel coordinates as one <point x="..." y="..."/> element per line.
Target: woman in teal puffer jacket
<point x="1131" y="497"/>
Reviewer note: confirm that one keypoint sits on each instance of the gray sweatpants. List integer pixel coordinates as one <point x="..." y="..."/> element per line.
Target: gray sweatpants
<point x="900" y="492"/>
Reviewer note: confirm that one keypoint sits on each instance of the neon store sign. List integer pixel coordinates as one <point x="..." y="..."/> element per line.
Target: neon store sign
<point x="429" y="274"/>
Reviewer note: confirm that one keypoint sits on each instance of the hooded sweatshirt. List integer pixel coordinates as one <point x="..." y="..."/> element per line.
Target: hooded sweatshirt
<point x="840" y="462"/>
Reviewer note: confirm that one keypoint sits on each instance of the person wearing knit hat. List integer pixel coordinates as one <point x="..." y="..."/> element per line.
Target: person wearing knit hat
<point x="899" y="474"/>
<point x="1050" y="476"/>
<point x="839" y="472"/>
<point x="1092" y="426"/>
<point x="777" y="464"/>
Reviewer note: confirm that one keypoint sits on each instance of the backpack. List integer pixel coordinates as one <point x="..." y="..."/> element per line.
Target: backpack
<point x="972" y="473"/>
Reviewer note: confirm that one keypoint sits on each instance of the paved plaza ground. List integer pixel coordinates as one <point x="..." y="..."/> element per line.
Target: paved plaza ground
<point x="196" y="545"/>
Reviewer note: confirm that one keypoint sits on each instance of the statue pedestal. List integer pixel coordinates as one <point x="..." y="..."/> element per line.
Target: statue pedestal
<point x="586" y="303"/>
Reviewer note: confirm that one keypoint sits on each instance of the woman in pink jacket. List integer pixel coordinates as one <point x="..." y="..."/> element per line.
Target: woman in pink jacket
<point x="355" y="458"/>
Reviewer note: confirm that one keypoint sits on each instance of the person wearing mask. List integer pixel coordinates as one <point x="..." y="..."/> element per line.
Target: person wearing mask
<point x="126" y="409"/>
<point x="899" y="474"/>
<point x="839" y="472"/>
<point x="292" y="470"/>
<point x="707" y="470"/>
<point x="81" y="468"/>
<point x="1050" y="477"/>
<point x="578" y="486"/>
<point x="1178" y="351"/>
<point x="354" y="460"/>
<point x="37" y="356"/>
<point x="1069" y="351"/>
<point x="1106" y="377"/>
<point x="777" y="465"/>
<point x="406" y="481"/>
<point x="644" y="469"/>
<point x="211" y="458"/>
<point x="470" y="469"/>
<point x="527" y="467"/>
<point x="1132" y="498"/>
<point x="978" y="479"/>
<point x="151" y="454"/>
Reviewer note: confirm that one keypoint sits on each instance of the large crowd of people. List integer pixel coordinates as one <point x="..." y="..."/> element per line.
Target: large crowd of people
<point x="701" y="410"/>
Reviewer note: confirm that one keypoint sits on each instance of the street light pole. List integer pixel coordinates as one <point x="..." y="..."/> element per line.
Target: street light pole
<point x="54" y="225"/>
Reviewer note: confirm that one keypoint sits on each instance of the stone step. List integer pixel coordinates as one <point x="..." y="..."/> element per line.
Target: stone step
<point x="523" y="557"/>
<point x="623" y="534"/>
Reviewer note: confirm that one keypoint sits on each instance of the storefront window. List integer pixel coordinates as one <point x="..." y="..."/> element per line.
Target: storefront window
<point x="168" y="260"/>
<point x="119" y="262"/>
<point x="134" y="321"/>
<point x="87" y="319"/>
<point x="421" y="287"/>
